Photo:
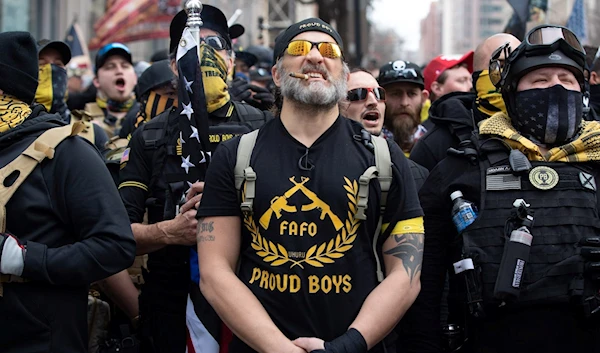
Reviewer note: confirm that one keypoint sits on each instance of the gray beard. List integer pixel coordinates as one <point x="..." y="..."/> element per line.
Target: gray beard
<point x="316" y="95"/>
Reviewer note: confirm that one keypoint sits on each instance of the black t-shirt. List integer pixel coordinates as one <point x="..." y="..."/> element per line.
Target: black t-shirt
<point x="304" y="254"/>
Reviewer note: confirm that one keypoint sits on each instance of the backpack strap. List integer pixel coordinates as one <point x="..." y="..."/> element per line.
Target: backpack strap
<point x="383" y="172"/>
<point x="250" y="115"/>
<point x="243" y="171"/>
<point x="88" y="131"/>
<point x="43" y="147"/>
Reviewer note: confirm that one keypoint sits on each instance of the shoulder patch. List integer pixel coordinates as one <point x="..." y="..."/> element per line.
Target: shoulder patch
<point x="125" y="156"/>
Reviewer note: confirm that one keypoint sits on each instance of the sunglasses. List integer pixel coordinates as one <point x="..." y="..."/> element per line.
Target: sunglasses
<point x="406" y="73"/>
<point x="215" y="42"/>
<point x="359" y="94"/>
<point x="497" y="64"/>
<point x="303" y="47"/>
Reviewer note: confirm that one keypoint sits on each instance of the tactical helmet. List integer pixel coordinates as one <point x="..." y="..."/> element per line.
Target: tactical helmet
<point x="543" y="46"/>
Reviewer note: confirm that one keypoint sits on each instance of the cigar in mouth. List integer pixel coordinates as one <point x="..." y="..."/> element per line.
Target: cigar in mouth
<point x="299" y="75"/>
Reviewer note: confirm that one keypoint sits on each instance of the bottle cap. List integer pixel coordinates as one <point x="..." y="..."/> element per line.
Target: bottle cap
<point x="521" y="236"/>
<point x="456" y="194"/>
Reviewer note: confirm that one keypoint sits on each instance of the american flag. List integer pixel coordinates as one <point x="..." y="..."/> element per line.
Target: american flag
<point x="193" y="120"/>
<point x="576" y="22"/>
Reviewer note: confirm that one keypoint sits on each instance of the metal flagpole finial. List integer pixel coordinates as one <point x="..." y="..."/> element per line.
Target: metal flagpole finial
<point x="193" y="8"/>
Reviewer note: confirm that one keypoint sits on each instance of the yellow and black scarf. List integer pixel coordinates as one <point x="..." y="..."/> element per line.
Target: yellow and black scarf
<point x="114" y="106"/>
<point x="584" y="149"/>
<point x="153" y="105"/>
<point x="12" y="112"/>
<point x="214" y="78"/>
<point x="489" y="100"/>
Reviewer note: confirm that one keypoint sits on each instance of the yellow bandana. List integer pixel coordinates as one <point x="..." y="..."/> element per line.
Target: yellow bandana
<point x="489" y="101"/>
<point x="586" y="148"/>
<point x="43" y="94"/>
<point x="12" y="112"/>
<point x="214" y="77"/>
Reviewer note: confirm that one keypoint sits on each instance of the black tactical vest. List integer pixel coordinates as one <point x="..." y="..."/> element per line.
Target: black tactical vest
<point x="563" y="197"/>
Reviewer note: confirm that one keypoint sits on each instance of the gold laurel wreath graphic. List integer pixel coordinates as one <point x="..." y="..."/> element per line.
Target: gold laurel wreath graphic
<point x="317" y="255"/>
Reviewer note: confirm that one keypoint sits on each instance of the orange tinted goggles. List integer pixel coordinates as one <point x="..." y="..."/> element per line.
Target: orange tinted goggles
<point x="303" y="47"/>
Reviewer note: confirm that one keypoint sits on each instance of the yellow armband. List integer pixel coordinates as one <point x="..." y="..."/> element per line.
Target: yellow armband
<point x="413" y="225"/>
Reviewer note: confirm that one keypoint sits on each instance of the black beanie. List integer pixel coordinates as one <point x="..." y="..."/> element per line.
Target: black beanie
<point x="309" y="25"/>
<point x="19" y="65"/>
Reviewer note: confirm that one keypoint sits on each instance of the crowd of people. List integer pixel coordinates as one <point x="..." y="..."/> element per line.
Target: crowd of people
<point x="446" y="208"/>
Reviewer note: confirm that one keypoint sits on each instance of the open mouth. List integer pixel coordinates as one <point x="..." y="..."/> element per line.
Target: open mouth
<point x="371" y="116"/>
<point x="120" y="83"/>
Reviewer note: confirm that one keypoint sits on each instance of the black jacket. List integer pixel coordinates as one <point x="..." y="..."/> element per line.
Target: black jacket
<point x="450" y="115"/>
<point x="419" y="173"/>
<point x="595" y="99"/>
<point x="76" y="229"/>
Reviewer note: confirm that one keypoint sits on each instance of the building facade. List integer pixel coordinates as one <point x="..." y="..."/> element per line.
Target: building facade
<point x="466" y="23"/>
<point x="52" y="18"/>
<point x="431" y="34"/>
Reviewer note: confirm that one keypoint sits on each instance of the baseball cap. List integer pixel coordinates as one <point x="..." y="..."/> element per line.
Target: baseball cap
<point x="441" y="63"/>
<point x="112" y="49"/>
<point x="400" y="71"/>
<point x="248" y="58"/>
<point x="212" y="18"/>
<point x="61" y="47"/>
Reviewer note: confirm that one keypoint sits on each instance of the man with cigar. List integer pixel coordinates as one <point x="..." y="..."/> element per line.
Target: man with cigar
<point x="307" y="276"/>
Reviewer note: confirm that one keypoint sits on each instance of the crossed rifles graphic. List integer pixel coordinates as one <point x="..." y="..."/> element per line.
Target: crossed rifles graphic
<point x="280" y="203"/>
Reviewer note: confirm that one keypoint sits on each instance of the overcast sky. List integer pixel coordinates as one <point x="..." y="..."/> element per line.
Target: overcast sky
<point x="402" y="15"/>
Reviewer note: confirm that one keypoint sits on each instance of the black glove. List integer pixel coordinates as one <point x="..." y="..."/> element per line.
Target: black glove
<point x="350" y="342"/>
<point x="239" y="90"/>
<point x="262" y="99"/>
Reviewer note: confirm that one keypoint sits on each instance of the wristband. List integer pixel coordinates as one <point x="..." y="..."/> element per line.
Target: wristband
<point x="350" y="342"/>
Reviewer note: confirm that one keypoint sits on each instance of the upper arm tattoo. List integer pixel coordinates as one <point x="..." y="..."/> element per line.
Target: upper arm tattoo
<point x="205" y="227"/>
<point x="409" y="249"/>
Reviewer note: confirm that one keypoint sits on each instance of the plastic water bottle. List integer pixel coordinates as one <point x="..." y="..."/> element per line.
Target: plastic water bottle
<point x="463" y="212"/>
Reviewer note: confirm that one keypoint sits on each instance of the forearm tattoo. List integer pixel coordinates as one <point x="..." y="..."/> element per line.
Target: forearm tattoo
<point x="409" y="249"/>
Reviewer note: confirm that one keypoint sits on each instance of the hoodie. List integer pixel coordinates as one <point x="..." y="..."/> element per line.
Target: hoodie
<point x="451" y="116"/>
<point x="76" y="231"/>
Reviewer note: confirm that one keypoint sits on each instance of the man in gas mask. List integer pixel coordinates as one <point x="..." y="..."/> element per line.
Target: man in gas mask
<point x="151" y="179"/>
<point x="524" y="264"/>
<point x="452" y="115"/>
<point x="53" y="57"/>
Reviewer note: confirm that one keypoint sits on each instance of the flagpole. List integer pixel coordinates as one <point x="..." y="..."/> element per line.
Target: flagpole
<point x="193" y="8"/>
